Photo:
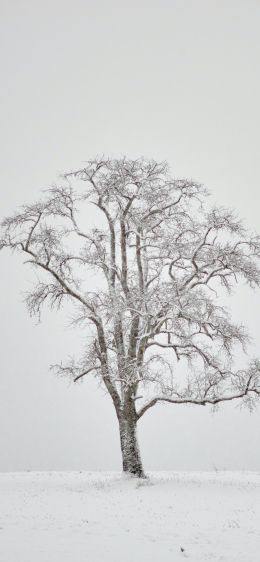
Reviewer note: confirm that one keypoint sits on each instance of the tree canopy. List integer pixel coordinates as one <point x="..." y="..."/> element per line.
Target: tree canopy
<point x="160" y="257"/>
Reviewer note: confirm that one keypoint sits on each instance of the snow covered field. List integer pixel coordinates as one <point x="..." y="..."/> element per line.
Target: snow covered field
<point x="101" y="517"/>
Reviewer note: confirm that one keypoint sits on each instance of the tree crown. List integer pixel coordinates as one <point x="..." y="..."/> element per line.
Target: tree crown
<point x="160" y="256"/>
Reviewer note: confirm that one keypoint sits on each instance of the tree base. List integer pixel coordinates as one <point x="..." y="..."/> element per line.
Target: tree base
<point x="135" y="474"/>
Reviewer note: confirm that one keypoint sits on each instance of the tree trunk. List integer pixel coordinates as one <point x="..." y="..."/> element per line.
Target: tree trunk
<point x="131" y="458"/>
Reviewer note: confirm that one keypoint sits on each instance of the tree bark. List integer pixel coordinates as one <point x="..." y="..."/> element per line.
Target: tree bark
<point x="131" y="458"/>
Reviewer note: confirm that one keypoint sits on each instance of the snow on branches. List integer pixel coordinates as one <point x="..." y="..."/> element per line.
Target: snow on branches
<point x="160" y="256"/>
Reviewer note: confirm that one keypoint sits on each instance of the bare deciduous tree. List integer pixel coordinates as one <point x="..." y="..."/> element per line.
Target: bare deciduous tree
<point x="160" y="256"/>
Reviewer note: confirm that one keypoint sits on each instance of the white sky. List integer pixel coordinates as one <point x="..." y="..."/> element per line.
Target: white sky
<point x="175" y="80"/>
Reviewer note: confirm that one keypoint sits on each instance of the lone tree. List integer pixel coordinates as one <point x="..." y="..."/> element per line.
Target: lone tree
<point x="160" y="258"/>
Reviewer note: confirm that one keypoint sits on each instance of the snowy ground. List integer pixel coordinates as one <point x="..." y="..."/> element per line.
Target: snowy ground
<point x="101" y="517"/>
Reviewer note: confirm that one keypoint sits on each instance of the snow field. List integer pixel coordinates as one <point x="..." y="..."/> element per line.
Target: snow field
<point x="105" y="517"/>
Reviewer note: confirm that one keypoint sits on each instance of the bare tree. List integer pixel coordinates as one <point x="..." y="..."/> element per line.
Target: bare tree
<point x="160" y="256"/>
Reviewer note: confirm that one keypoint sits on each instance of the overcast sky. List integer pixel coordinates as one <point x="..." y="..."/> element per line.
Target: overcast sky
<point x="175" y="80"/>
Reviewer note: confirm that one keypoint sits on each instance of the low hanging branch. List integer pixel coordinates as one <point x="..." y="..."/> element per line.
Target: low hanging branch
<point x="161" y="257"/>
